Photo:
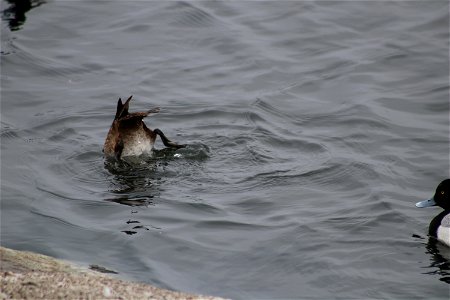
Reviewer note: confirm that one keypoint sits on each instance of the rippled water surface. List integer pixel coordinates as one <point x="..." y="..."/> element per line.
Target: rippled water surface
<point x="312" y="129"/>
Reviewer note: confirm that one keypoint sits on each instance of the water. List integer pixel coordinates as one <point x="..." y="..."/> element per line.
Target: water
<point x="312" y="129"/>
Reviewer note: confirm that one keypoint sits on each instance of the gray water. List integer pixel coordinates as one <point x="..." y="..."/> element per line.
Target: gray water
<point x="312" y="129"/>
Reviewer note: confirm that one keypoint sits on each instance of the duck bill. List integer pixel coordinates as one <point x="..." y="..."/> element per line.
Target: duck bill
<point x="426" y="203"/>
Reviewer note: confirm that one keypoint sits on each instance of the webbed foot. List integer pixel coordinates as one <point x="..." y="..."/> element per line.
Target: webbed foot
<point x="166" y="141"/>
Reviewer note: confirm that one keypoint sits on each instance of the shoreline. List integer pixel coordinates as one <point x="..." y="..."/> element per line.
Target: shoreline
<point x="28" y="275"/>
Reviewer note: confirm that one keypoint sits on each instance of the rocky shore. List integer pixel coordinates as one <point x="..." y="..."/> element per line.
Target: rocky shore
<point x="26" y="275"/>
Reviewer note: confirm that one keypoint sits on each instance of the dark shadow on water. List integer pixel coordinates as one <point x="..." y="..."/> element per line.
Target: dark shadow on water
<point x="137" y="181"/>
<point x="132" y="202"/>
<point x="440" y="259"/>
<point x="135" y="189"/>
<point x="15" y="14"/>
<point x="133" y="222"/>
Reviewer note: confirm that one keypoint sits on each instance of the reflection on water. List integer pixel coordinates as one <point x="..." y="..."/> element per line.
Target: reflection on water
<point x="15" y="13"/>
<point x="145" y="201"/>
<point x="135" y="187"/>
<point x="137" y="181"/>
<point x="440" y="259"/>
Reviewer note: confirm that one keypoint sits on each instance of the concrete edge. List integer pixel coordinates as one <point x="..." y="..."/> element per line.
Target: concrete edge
<point x="27" y="275"/>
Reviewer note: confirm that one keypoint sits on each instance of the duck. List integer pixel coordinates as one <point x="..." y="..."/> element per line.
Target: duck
<point x="129" y="136"/>
<point x="440" y="226"/>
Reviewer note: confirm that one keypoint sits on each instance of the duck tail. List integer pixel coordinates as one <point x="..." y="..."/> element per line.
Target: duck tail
<point x="122" y="109"/>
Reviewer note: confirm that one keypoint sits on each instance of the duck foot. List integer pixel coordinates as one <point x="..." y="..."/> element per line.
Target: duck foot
<point x="166" y="141"/>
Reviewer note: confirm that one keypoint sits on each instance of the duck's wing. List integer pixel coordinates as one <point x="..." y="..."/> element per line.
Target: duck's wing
<point x="139" y="115"/>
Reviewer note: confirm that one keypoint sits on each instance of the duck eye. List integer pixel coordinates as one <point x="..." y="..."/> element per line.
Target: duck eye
<point x="442" y="193"/>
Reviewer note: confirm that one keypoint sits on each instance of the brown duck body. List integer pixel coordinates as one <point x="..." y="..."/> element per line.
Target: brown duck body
<point x="129" y="136"/>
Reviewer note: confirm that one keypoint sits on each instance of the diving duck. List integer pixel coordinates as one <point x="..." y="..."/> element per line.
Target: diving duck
<point x="440" y="226"/>
<point x="129" y="136"/>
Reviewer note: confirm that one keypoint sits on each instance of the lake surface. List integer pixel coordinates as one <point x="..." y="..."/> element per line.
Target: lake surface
<point x="312" y="128"/>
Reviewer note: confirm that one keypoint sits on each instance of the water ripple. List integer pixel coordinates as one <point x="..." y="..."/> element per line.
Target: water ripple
<point x="312" y="129"/>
